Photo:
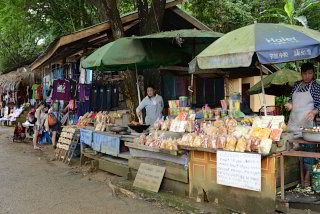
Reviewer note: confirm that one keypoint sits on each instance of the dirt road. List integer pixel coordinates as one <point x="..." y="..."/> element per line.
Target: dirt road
<point x="32" y="184"/>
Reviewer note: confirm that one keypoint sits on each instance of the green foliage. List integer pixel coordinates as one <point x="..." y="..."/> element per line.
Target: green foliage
<point x="27" y="26"/>
<point x="126" y="6"/>
<point x="228" y="15"/>
<point x="282" y="101"/>
<point x="221" y="15"/>
<point x="303" y="12"/>
<point x="19" y="41"/>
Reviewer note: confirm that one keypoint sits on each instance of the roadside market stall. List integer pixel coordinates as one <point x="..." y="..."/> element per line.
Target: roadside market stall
<point x="141" y="52"/>
<point x="13" y="88"/>
<point x="252" y="45"/>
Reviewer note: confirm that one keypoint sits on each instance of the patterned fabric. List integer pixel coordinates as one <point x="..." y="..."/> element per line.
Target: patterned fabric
<point x="315" y="92"/>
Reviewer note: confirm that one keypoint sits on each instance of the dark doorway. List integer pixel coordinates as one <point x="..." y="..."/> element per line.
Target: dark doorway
<point x="245" y="96"/>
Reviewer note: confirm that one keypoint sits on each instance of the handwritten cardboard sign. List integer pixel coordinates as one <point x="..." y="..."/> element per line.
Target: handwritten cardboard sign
<point x="149" y="177"/>
<point x="241" y="170"/>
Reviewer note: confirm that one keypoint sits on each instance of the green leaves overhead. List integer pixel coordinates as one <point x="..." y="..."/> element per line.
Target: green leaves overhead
<point x="289" y="8"/>
<point x="302" y="12"/>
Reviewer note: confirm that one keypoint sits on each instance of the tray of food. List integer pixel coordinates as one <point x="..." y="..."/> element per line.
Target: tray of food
<point x="311" y="134"/>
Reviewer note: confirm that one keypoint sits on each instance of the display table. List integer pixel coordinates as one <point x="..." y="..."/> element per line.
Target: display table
<point x="294" y="153"/>
<point x="107" y="149"/>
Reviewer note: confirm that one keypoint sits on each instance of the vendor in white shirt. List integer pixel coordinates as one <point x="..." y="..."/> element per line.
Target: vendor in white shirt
<point x="153" y="103"/>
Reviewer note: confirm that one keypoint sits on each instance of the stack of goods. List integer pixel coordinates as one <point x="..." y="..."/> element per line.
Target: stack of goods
<point x="156" y="141"/>
<point x="226" y="134"/>
<point x="86" y="119"/>
<point x="175" y="107"/>
<point x="102" y="120"/>
<point x="68" y="137"/>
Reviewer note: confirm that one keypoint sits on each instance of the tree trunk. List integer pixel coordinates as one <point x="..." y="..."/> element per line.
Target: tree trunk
<point x="113" y="15"/>
<point x="151" y="19"/>
<point x="128" y="86"/>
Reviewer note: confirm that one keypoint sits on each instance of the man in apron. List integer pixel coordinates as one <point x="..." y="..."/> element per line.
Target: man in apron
<point x="153" y="103"/>
<point x="304" y="105"/>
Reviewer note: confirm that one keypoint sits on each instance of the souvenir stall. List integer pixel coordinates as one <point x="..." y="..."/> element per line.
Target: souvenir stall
<point x="13" y="103"/>
<point x="83" y="97"/>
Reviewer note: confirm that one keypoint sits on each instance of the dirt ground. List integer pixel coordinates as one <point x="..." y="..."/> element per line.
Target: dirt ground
<point x="31" y="182"/>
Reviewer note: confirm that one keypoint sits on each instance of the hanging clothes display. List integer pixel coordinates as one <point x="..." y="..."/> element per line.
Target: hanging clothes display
<point x="102" y="98"/>
<point x="58" y="74"/>
<point x="37" y="93"/>
<point x="76" y="70"/>
<point x="73" y="89"/>
<point x="84" y="92"/>
<point x="82" y="78"/>
<point x="115" y="96"/>
<point x="108" y="97"/>
<point x="61" y="90"/>
<point x="95" y="101"/>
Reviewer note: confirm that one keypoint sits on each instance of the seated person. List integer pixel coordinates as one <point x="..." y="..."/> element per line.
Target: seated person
<point x="19" y="132"/>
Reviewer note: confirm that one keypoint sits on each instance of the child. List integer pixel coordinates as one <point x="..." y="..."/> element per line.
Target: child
<point x="19" y="132"/>
<point x="44" y="126"/>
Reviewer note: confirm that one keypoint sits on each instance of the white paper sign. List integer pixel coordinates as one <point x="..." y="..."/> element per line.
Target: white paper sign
<point x="241" y="170"/>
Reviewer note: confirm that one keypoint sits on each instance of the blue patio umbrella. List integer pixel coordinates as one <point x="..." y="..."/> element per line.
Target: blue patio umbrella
<point x="272" y="43"/>
<point x="262" y="42"/>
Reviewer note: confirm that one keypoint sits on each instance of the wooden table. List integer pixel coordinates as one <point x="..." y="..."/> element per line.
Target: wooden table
<point x="294" y="153"/>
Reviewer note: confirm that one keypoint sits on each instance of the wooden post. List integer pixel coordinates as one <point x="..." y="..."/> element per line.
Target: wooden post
<point x="282" y="176"/>
<point x="301" y="173"/>
<point x="226" y="86"/>
<point x="263" y="92"/>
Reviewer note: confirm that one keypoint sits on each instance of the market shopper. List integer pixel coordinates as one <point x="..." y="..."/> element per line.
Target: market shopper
<point x="54" y="118"/>
<point x="153" y="103"/>
<point x="304" y="105"/>
<point x="36" y="134"/>
<point x="44" y="126"/>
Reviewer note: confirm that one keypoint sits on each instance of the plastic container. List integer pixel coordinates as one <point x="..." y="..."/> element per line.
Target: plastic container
<point x="183" y="101"/>
<point x="217" y="113"/>
<point x="316" y="181"/>
<point x="224" y="113"/>
<point x="235" y="96"/>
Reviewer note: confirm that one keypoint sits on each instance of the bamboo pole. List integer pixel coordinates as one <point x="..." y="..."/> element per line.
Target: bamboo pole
<point x="263" y="91"/>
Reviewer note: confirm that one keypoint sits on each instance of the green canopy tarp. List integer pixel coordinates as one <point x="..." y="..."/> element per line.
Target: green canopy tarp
<point x="130" y="53"/>
<point x="278" y="83"/>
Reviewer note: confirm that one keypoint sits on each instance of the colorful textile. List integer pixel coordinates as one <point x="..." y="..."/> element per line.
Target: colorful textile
<point x="36" y="92"/>
<point x="61" y="90"/>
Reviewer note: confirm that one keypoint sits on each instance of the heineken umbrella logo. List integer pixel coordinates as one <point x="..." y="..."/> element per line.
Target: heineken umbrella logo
<point x="281" y="40"/>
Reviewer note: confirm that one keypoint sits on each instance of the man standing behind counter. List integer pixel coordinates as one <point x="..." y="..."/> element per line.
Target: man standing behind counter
<point x="153" y="103"/>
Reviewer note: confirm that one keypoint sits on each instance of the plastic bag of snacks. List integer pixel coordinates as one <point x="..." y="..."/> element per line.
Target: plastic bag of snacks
<point x="241" y="145"/>
<point x="231" y="143"/>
